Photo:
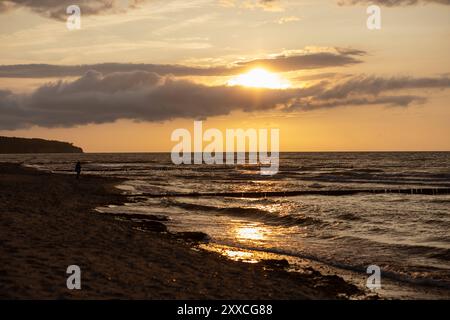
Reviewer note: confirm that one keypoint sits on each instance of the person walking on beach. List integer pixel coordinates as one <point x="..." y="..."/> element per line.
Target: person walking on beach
<point x="78" y="169"/>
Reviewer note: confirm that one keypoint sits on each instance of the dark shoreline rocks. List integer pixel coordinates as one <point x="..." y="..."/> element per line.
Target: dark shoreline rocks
<point x="153" y="223"/>
<point x="143" y="222"/>
<point x="275" y="264"/>
<point x="193" y="237"/>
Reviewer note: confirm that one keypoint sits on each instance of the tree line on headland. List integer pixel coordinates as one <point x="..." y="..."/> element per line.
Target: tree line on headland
<point x="24" y="145"/>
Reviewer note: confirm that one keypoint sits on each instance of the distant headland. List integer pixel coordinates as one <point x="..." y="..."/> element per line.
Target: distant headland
<point x="24" y="145"/>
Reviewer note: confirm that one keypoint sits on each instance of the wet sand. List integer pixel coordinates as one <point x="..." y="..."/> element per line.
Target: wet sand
<point x="48" y="222"/>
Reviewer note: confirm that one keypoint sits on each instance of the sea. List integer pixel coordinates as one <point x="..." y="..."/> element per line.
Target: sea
<point x="407" y="236"/>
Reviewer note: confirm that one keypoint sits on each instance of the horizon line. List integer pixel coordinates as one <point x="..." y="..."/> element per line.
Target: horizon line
<point x="316" y="151"/>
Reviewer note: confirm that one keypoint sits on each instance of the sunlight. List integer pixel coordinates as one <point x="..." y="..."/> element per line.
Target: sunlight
<point x="249" y="233"/>
<point x="260" y="78"/>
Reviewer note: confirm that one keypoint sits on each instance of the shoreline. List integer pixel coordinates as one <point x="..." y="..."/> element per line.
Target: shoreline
<point x="48" y="222"/>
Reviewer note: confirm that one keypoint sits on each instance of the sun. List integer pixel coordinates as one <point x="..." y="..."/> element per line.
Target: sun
<point x="259" y="78"/>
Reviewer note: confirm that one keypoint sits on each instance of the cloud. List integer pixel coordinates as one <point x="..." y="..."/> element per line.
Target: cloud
<point x="367" y="90"/>
<point x="266" y="5"/>
<point x="395" y="101"/>
<point x="56" y="9"/>
<point x="392" y="3"/>
<point x="283" y="63"/>
<point x="280" y="63"/>
<point x="147" y="96"/>
<point x="142" y="96"/>
<point x="284" y="20"/>
<point x="375" y="85"/>
<point x="270" y="5"/>
<point x="50" y="71"/>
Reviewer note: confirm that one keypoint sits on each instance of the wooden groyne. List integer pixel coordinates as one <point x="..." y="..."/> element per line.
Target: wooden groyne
<point x="260" y="194"/>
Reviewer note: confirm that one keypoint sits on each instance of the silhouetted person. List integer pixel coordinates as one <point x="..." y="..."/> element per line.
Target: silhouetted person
<point x="78" y="169"/>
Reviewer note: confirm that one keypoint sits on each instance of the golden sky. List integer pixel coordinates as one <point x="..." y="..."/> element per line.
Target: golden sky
<point x="137" y="70"/>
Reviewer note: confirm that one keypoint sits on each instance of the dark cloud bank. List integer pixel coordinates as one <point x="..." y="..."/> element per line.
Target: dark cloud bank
<point x="56" y="9"/>
<point x="279" y="63"/>
<point x="147" y="96"/>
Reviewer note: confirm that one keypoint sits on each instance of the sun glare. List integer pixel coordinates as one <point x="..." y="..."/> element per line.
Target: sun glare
<point x="249" y="233"/>
<point x="259" y="78"/>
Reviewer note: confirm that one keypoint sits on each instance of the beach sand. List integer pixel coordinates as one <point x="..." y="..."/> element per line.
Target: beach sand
<point x="48" y="222"/>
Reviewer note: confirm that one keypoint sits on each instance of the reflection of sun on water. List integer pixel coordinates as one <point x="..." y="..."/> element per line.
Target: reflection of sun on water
<point x="238" y="254"/>
<point x="260" y="78"/>
<point x="250" y="233"/>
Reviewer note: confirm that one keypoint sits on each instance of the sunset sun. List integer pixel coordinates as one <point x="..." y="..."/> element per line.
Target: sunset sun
<point x="259" y="78"/>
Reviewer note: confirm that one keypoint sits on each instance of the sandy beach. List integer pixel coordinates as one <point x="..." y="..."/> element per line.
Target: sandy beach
<point x="48" y="222"/>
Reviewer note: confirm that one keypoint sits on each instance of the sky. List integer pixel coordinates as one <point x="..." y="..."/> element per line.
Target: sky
<point x="137" y="70"/>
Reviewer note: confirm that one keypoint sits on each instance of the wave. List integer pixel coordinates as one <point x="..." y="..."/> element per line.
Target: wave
<point x="411" y="250"/>
<point x="348" y="216"/>
<point x="248" y="212"/>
